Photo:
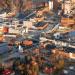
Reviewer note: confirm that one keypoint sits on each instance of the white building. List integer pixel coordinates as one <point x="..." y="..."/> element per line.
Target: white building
<point x="50" y="5"/>
<point x="3" y="15"/>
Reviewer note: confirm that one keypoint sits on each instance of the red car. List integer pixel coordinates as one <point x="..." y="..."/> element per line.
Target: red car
<point x="7" y="72"/>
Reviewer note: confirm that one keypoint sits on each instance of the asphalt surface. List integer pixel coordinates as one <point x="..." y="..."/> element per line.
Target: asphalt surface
<point x="69" y="68"/>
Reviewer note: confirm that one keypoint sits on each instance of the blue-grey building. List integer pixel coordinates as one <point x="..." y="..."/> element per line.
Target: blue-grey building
<point x="3" y="48"/>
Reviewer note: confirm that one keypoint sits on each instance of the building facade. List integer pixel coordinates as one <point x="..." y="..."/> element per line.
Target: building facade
<point x="68" y="6"/>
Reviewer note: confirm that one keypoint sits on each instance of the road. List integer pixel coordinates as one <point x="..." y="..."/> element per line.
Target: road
<point x="57" y="42"/>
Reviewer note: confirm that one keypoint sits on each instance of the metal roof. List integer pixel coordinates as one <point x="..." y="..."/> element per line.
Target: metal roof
<point x="40" y="0"/>
<point x="72" y="33"/>
<point x="3" y="48"/>
<point x="69" y="49"/>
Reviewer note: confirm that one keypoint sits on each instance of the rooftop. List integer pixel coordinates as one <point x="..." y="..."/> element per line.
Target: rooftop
<point x="40" y="0"/>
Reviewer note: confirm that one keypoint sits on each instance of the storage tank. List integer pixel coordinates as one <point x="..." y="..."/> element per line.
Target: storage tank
<point x="5" y="29"/>
<point x="57" y="35"/>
